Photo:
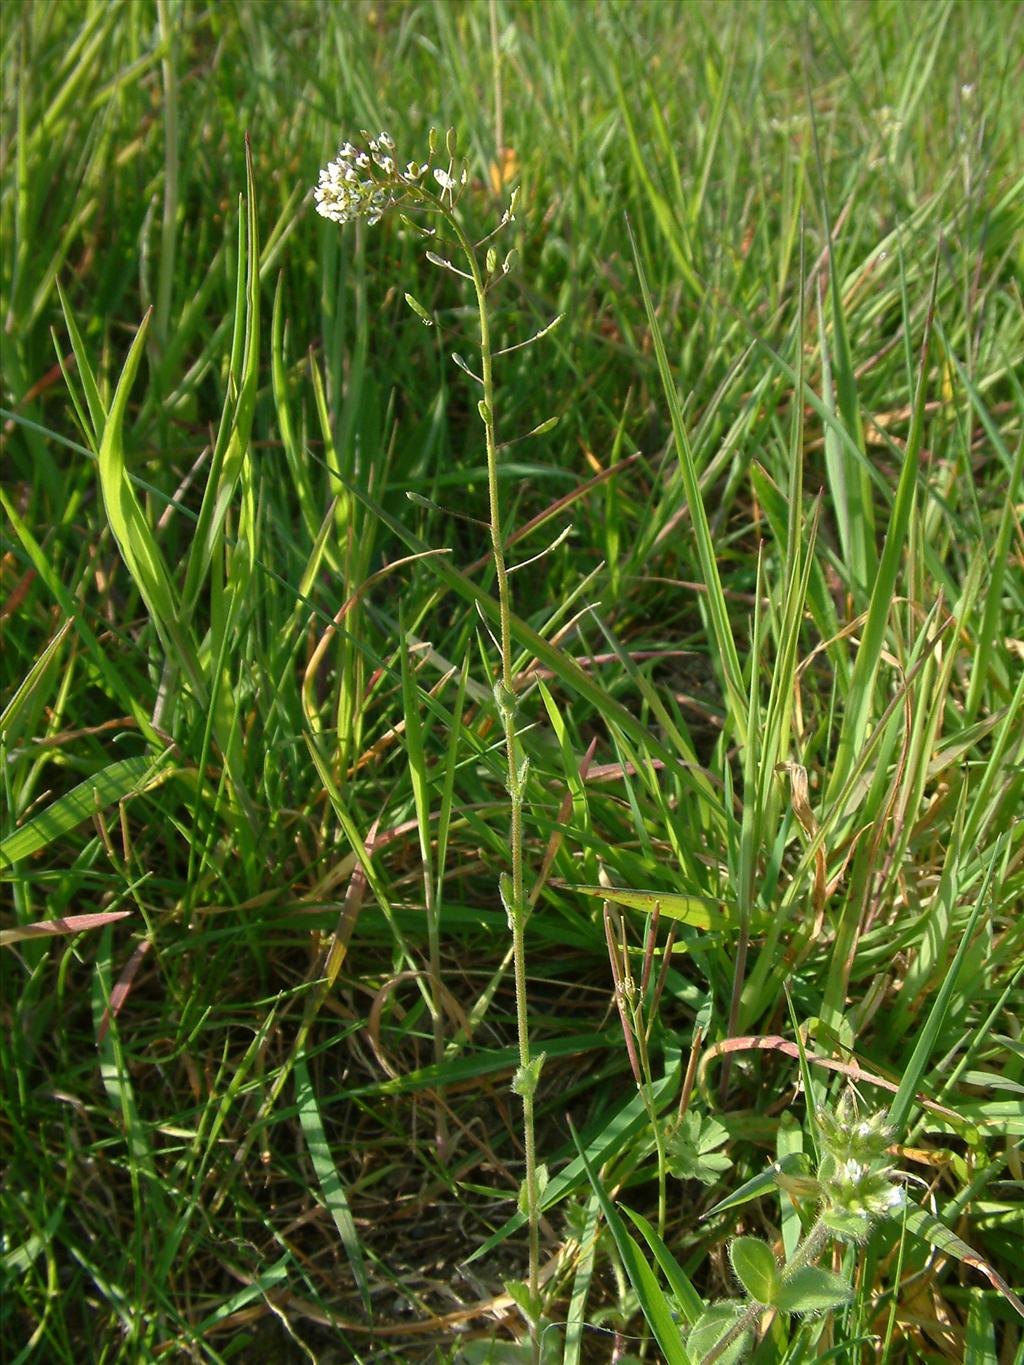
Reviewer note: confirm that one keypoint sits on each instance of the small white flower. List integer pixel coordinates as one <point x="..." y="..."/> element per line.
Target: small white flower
<point x="853" y="1171"/>
<point x="446" y="181"/>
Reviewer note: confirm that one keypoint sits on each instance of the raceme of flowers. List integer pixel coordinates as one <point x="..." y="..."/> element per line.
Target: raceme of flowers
<point x="363" y="181"/>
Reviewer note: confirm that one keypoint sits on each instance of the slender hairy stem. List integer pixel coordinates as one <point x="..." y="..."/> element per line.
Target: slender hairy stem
<point x="361" y="184"/>
<point x="514" y="893"/>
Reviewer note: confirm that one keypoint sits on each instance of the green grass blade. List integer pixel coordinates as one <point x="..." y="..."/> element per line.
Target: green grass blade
<point x="331" y="1187"/>
<point x="860" y="700"/>
<point x="132" y="532"/>
<point x="655" y="1305"/>
<point x="97" y="407"/>
<point x="689" y="1301"/>
<point x="727" y="659"/>
<point x="926" y="1226"/>
<point x="948" y="891"/>
<point x="232" y="446"/>
<point x="14" y="716"/>
<point x="851" y="486"/>
<point x="699" y="912"/>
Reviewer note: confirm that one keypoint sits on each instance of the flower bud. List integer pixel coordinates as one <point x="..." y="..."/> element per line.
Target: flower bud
<point x="504" y="699"/>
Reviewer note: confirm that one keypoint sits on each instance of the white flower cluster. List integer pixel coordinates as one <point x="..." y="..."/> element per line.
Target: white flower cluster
<point x="361" y="182"/>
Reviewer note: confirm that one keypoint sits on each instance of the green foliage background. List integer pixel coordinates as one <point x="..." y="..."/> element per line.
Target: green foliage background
<point x="206" y="1156"/>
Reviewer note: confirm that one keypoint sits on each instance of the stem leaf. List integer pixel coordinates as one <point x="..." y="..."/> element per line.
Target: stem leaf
<point x="713" y="1325"/>
<point x="811" y="1289"/>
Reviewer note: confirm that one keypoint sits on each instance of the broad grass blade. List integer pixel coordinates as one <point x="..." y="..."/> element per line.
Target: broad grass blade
<point x="699" y="912"/>
<point x="105" y="788"/>
<point x="655" y="1305"/>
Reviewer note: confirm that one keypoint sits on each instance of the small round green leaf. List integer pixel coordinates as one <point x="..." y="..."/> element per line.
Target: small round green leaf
<point x="755" y="1268"/>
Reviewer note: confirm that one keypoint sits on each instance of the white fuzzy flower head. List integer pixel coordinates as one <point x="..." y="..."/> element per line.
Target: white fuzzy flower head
<point x="856" y="1179"/>
<point x="894" y="1198"/>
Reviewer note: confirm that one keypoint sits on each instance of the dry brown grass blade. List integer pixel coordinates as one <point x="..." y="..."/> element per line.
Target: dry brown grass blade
<point x="553" y="508"/>
<point x="320" y="650"/>
<point x="774" y="1043"/>
<point x="452" y="1007"/>
<point x="123" y="985"/>
<point x="70" y="924"/>
<point x="555" y="842"/>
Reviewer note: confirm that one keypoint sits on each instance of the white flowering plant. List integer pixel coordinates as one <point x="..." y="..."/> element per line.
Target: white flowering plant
<point x="365" y="181"/>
